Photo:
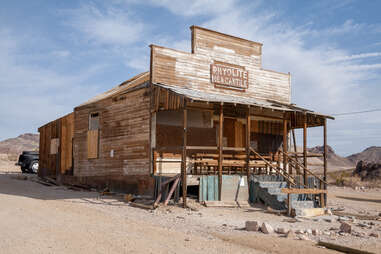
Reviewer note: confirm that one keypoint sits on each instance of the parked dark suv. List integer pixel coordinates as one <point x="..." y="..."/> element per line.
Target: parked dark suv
<point x="28" y="161"/>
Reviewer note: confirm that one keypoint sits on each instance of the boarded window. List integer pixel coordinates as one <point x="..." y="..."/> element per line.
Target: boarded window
<point x="92" y="144"/>
<point x="54" y="143"/>
<point x="94" y="121"/>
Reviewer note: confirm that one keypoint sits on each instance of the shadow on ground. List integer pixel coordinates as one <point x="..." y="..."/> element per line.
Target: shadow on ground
<point x="18" y="184"/>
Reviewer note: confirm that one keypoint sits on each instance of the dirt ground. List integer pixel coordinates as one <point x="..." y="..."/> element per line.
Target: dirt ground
<point x="53" y="219"/>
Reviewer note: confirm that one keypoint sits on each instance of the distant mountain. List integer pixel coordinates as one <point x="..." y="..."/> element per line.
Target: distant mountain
<point x="333" y="159"/>
<point x="335" y="162"/>
<point x="371" y="154"/>
<point x="24" y="142"/>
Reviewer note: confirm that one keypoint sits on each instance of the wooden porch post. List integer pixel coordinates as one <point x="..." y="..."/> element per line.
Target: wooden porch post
<point x="325" y="159"/>
<point x="220" y="147"/>
<point x="285" y="144"/>
<point x="248" y="127"/>
<point x="184" y="157"/>
<point x="305" y="148"/>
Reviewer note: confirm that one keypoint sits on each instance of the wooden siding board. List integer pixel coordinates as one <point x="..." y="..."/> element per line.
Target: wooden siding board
<point x="175" y="68"/>
<point x="124" y="128"/>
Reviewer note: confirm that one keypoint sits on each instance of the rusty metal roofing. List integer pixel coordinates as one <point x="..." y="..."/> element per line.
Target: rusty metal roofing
<point x="197" y="95"/>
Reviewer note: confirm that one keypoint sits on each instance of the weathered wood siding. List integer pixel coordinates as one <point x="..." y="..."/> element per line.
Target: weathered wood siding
<point x="123" y="136"/>
<point x="192" y="70"/>
<point x="66" y="144"/>
<point x="58" y="159"/>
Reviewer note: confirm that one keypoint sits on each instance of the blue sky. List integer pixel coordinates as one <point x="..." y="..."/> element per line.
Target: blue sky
<point x="55" y="55"/>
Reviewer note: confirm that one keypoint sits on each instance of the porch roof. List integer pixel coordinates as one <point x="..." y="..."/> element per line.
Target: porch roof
<point x="197" y="95"/>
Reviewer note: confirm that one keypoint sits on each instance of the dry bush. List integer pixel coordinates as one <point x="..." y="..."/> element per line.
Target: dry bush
<point x="13" y="157"/>
<point x="355" y="181"/>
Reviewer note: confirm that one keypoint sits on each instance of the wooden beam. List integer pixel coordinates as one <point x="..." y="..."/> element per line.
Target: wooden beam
<point x="248" y="128"/>
<point x="305" y="149"/>
<point x="342" y="248"/>
<point x="172" y="190"/>
<point x="220" y="147"/>
<point x="295" y="148"/>
<point x="184" y="157"/>
<point x="325" y="159"/>
<point x="302" y="191"/>
<point x="285" y="148"/>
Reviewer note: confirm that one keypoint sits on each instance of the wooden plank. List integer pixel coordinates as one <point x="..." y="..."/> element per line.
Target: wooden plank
<point x="305" y="149"/>
<point x="342" y="248"/>
<point x="247" y="143"/>
<point x="325" y="158"/>
<point x="92" y="144"/>
<point x="220" y="145"/>
<point x="184" y="157"/>
<point x="302" y="191"/>
<point x="174" y="186"/>
<point x="285" y="147"/>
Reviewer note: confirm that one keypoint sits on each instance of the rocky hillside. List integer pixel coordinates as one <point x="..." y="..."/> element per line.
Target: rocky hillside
<point x="332" y="158"/>
<point x="371" y="154"/>
<point x="14" y="146"/>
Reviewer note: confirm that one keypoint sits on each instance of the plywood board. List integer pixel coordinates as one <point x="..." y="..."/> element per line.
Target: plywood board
<point x="92" y="144"/>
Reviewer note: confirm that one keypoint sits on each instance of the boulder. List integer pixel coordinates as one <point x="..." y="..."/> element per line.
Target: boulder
<point x="345" y="227"/>
<point x="252" y="225"/>
<point x="281" y="230"/>
<point x="374" y="234"/>
<point x="266" y="228"/>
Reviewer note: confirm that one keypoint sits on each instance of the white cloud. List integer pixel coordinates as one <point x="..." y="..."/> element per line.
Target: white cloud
<point x="190" y="8"/>
<point x="106" y="26"/>
<point x="355" y="57"/>
<point x="31" y="96"/>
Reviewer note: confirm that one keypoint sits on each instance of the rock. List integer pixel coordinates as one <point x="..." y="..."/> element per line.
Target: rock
<point x="374" y="234"/>
<point x="187" y="239"/>
<point x="290" y="234"/>
<point x="299" y="231"/>
<point x="281" y="230"/>
<point x="345" y="227"/>
<point x="329" y="212"/>
<point x="342" y="218"/>
<point x="315" y="232"/>
<point x="266" y="228"/>
<point x="317" y="219"/>
<point x="326" y="233"/>
<point x="309" y="231"/>
<point x="330" y="220"/>
<point x="252" y="225"/>
<point x="303" y="237"/>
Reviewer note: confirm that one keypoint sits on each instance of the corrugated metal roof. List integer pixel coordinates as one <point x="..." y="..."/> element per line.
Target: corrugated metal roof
<point x="225" y="98"/>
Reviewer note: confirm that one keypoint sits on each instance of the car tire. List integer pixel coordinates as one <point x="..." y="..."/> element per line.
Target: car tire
<point x="33" y="167"/>
<point x="23" y="170"/>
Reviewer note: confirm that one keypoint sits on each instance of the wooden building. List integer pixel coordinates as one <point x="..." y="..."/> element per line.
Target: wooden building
<point x="211" y="112"/>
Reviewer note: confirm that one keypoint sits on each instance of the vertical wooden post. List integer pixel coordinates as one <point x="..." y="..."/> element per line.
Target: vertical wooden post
<point x="248" y="127"/>
<point x="325" y="159"/>
<point x="220" y="147"/>
<point x="184" y="157"/>
<point x="285" y="145"/>
<point x="305" y="149"/>
<point x="295" y="150"/>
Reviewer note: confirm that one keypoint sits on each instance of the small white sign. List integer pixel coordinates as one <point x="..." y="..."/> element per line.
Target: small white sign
<point x="242" y="182"/>
<point x="112" y="153"/>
